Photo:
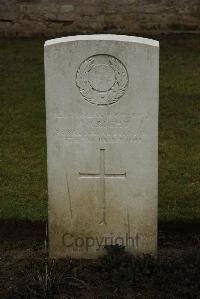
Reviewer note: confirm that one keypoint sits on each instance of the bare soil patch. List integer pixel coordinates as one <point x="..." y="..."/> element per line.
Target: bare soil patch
<point x="27" y="272"/>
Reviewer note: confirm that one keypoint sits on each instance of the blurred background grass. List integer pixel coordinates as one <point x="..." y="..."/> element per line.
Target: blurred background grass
<point x="23" y="181"/>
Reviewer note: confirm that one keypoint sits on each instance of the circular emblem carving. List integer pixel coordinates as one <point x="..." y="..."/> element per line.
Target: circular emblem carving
<point x="102" y="79"/>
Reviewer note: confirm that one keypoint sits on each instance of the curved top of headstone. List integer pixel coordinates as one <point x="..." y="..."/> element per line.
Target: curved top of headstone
<point x="103" y="37"/>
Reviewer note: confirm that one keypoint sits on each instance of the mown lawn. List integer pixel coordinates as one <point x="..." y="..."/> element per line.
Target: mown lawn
<point x="23" y="182"/>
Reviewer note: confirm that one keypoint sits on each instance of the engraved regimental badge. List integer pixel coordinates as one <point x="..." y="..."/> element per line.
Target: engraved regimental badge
<point x="102" y="79"/>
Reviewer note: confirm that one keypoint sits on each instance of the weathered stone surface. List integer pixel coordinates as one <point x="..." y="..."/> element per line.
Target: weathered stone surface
<point x="55" y="17"/>
<point x="102" y="123"/>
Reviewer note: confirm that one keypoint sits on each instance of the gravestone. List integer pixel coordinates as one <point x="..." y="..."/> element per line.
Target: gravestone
<point x="102" y="144"/>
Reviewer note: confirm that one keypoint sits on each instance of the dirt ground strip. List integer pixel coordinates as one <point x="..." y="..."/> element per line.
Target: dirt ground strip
<point x="26" y="271"/>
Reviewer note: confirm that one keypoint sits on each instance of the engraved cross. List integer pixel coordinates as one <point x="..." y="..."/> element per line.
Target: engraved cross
<point x="102" y="175"/>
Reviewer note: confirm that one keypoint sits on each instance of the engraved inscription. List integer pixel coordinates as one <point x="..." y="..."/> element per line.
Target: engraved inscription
<point x="102" y="175"/>
<point x="97" y="127"/>
<point x="102" y="79"/>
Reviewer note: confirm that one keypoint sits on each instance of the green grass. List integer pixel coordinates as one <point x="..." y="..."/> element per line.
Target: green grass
<point x="23" y="185"/>
<point x="23" y="172"/>
<point x="179" y="150"/>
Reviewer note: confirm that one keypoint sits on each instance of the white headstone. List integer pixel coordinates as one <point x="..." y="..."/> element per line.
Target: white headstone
<point x="102" y="130"/>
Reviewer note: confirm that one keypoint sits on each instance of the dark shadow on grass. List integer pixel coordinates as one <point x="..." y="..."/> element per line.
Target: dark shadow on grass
<point x="180" y="227"/>
<point x="16" y="230"/>
<point x="22" y="230"/>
